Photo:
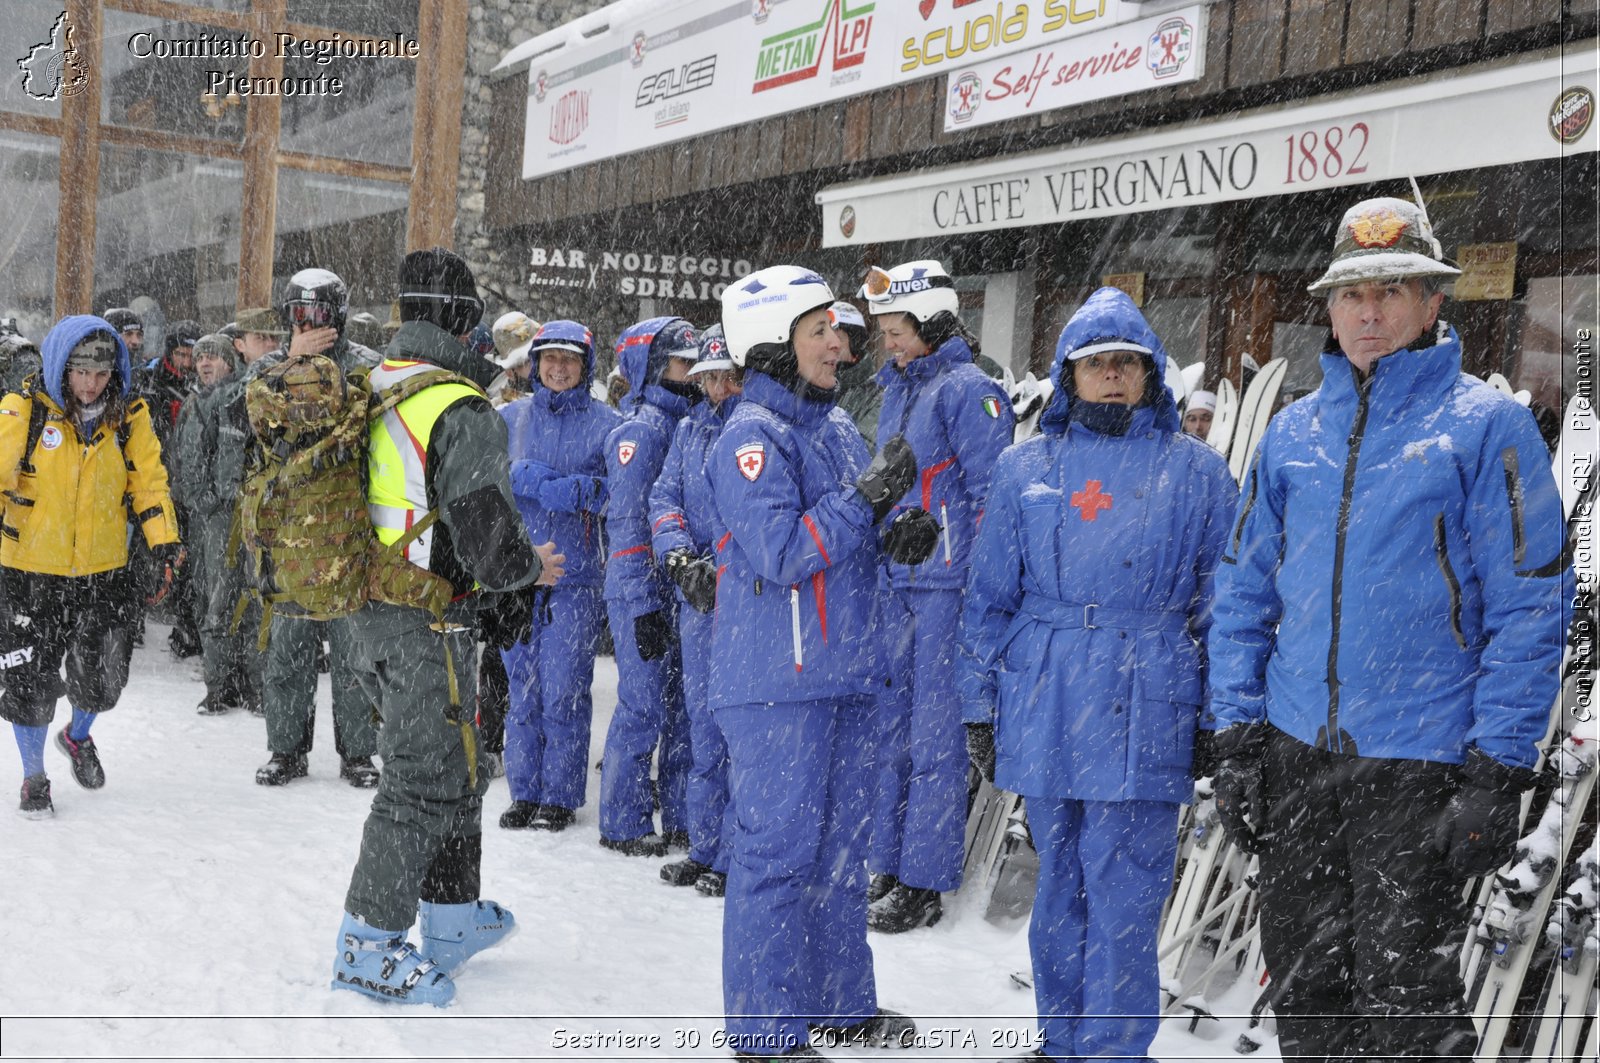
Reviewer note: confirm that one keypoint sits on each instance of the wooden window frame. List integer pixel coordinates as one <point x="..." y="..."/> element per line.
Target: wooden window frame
<point x="431" y="177"/>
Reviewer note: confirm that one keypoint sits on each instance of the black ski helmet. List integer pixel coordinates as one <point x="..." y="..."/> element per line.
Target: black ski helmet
<point x="120" y="318"/>
<point x="317" y="295"/>
<point x="437" y="285"/>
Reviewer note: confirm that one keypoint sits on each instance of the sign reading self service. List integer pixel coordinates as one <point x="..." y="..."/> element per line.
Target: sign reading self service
<point x="1119" y="61"/>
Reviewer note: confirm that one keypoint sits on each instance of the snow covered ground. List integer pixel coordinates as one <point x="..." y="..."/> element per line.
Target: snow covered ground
<point x="185" y="912"/>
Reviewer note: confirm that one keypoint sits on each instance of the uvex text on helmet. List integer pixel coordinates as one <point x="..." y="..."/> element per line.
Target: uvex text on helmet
<point x="760" y="310"/>
<point x="314" y="297"/>
<point x="1383" y="238"/>
<point x="921" y="289"/>
<point x="436" y="285"/>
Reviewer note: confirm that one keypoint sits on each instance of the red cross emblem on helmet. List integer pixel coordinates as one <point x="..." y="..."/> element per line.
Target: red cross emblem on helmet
<point x="626" y="450"/>
<point x="751" y="459"/>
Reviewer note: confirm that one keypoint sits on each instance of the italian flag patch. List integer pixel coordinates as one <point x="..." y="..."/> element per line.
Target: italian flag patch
<point x="991" y="406"/>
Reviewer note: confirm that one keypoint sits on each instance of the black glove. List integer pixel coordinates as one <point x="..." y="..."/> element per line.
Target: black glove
<point x="169" y="558"/>
<point x="980" y="748"/>
<point x="1237" y="782"/>
<point x="1203" y="765"/>
<point x="505" y="618"/>
<point x="888" y="478"/>
<point x="1477" y="831"/>
<point x="652" y="633"/>
<point x="911" y="536"/>
<point x="695" y="576"/>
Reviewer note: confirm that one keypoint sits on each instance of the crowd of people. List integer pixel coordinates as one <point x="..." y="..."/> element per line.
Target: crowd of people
<point x="839" y="584"/>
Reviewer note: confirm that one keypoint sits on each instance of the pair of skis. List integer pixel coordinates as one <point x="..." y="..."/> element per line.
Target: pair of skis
<point x="1239" y="423"/>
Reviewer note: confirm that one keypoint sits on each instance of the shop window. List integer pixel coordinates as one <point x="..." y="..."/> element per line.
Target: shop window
<point x="349" y="225"/>
<point x="369" y="120"/>
<point x="30" y="23"/>
<point x="167" y="230"/>
<point x="372" y="18"/>
<point x="30" y="172"/>
<point x="146" y="86"/>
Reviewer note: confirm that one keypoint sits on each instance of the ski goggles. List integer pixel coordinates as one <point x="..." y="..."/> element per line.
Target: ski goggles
<point x="881" y="287"/>
<point x="309" y="315"/>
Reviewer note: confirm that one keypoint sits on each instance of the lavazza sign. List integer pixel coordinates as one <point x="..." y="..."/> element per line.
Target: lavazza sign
<point x="645" y="274"/>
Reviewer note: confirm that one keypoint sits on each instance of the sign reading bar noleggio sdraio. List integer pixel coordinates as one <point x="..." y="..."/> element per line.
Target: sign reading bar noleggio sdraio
<point x="653" y="274"/>
<point x="1149" y="54"/>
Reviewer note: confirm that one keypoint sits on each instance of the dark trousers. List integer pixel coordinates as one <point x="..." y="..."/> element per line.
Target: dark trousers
<point x="494" y="699"/>
<point x="1361" y="921"/>
<point x="80" y="620"/>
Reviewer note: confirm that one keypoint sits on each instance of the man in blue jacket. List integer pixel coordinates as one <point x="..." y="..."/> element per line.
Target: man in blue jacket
<point x="655" y="357"/>
<point x="1384" y="655"/>
<point x="558" y="475"/>
<point x="957" y="421"/>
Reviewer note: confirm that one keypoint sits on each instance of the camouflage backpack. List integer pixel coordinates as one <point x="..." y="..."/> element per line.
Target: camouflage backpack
<point x="303" y="508"/>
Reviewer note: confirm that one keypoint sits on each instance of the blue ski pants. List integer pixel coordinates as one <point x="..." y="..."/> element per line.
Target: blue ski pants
<point x="1105" y="869"/>
<point x="547" y="723"/>
<point x="919" y="812"/>
<point x="707" y="790"/>
<point x="649" y="712"/>
<point x="794" y="928"/>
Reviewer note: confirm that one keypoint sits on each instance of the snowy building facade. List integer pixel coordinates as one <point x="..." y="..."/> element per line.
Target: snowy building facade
<point x="1197" y="154"/>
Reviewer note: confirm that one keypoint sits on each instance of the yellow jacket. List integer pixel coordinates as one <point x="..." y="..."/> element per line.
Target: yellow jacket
<point x="64" y="509"/>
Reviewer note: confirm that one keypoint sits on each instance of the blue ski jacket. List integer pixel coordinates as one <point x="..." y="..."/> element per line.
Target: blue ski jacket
<point x="1394" y="581"/>
<point x="558" y="473"/>
<point x="682" y="510"/>
<point x="797" y="553"/>
<point x="957" y="421"/>
<point x="635" y="452"/>
<point x="1083" y="628"/>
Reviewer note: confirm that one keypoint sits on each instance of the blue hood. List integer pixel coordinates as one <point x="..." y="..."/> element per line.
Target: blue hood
<point x="633" y="361"/>
<point x="1107" y="314"/>
<point x="60" y="340"/>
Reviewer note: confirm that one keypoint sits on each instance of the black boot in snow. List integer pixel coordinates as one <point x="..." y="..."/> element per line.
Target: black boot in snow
<point x="36" y="797"/>
<point x="712" y="884"/>
<point x="685" y="872"/>
<point x="879" y="885"/>
<point x="553" y="818"/>
<point x="215" y="703"/>
<point x="281" y="769"/>
<point x="519" y="816"/>
<point x="645" y="845"/>
<point x="359" y="772"/>
<point x="85" y="759"/>
<point x="887" y="1029"/>
<point x="905" y="908"/>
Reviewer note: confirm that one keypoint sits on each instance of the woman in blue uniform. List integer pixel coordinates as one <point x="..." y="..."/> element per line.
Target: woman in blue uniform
<point x="793" y="670"/>
<point x="558" y="474"/>
<point x="1083" y="633"/>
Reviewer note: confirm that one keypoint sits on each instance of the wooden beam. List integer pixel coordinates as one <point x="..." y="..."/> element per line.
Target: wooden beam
<point x="155" y="140"/>
<point x="43" y="125"/>
<point x="436" y="123"/>
<point x="80" y="167"/>
<point x="258" y="207"/>
<point x="238" y="21"/>
<point x="370" y="171"/>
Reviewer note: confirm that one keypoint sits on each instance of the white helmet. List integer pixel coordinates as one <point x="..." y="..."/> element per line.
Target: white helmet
<point x="512" y="330"/>
<point x="921" y="289"/>
<point x="761" y="309"/>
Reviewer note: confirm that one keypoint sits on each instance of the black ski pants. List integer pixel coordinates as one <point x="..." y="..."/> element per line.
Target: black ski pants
<point x="80" y="620"/>
<point x="1361" y="922"/>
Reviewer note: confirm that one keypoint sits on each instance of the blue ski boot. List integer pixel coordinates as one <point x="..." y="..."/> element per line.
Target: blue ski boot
<point x="383" y="964"/>
<point x="453" y="933"/>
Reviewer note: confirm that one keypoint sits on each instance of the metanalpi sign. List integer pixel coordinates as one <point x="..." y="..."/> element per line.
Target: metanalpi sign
<point x="647" y="274"/>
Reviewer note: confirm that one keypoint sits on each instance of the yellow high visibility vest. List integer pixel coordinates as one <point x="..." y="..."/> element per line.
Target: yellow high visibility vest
<point x="397" y="455"/>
